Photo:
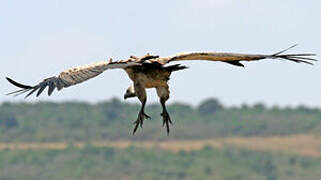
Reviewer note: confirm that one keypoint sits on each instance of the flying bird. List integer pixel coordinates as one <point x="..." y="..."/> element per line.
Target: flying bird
<point x="149" y="71"/>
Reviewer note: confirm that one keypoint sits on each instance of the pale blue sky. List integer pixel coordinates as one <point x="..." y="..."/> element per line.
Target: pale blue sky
<point x="41" y="38"/>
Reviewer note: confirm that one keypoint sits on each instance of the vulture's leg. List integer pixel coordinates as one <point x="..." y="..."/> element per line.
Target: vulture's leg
<point x="141" y="94"/>
<point x="165" y="115"/>
<point x="163" y="94"/>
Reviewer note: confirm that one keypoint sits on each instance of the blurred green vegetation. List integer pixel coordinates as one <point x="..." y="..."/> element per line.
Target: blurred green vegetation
<point x="81" y="121"/>
<point x="135" y="163"/>
<point x="112" y="120"/>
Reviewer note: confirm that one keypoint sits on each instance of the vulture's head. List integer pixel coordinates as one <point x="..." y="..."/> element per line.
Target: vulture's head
<point x="130" y="92"/>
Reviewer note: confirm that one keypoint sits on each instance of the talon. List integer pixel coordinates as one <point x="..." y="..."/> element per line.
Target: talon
<point x="166" y="121"/>
<point x="140" y="121"/>
<point x="146" y="116"/>
<point x="136" y="126"/>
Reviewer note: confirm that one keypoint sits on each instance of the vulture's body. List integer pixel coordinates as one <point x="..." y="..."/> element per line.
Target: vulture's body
<point x="151" y="75"/>
<point x="147" y="72"/>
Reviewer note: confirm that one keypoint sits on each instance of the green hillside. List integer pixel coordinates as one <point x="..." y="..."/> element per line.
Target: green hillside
<point x="80" y="121"/>
<point x="111" y="121"/>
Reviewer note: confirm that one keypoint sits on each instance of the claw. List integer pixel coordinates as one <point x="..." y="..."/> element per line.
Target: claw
<point x="146" y="116"/>
<point x="166" y="121"/>
<point x="140" y="120"/>
<point x="136" y="126"/>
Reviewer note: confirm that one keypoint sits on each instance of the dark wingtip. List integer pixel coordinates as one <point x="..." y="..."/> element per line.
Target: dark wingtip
<point x="298" y="58"/>
<point x="18" y="84"/>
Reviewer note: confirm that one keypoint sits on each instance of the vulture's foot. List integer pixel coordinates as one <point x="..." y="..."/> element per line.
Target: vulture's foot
<point x="166" y="121"/>
<point x="140" y="119"/>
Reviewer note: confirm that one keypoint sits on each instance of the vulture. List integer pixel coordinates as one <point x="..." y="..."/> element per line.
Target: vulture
<point x="149" y="71"/>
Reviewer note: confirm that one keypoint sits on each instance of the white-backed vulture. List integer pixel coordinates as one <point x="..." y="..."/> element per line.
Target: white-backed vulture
<point x="148" y="71"/>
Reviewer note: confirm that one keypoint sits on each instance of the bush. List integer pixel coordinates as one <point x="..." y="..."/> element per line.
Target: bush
<point x="210" y="106"/>
<point x="8" y="120"/>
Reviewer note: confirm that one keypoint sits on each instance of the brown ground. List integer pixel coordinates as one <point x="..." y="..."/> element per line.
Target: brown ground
<point x="307" y="145"/>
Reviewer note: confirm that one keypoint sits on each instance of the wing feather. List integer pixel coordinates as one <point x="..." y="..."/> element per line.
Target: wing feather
<point x="69" y="77"/>
<point x="235" y="58"/>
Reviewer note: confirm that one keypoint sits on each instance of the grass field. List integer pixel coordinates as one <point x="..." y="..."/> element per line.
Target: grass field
<point x="306" y="145"/>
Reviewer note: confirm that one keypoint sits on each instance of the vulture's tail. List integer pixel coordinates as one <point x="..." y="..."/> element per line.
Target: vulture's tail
<point x="175" y="67"/>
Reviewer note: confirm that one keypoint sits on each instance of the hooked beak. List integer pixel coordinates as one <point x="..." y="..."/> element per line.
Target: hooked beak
<point x="129" y="95"/>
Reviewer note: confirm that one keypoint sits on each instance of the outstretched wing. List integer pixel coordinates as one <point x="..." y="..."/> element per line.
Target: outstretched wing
<point x="69" y="77"/>
<point x="235" y="58"/>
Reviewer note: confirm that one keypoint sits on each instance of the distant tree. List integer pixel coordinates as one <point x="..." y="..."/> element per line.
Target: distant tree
<point x="8" y="120"/>
<point x="181" y="109"/>
<point x="276" y="108"/>
<point x="259" y="107"/>
<point x="305" y="109"/>
<point x="244" y="106"/>
<point x="210" y="106"/>
<point x="112" y="109"/>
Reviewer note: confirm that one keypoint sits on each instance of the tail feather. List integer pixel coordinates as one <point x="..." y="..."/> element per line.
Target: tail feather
<point x="175" y="67"/>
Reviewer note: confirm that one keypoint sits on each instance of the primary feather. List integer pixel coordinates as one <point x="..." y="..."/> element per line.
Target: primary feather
<point x="235" y="58"/>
